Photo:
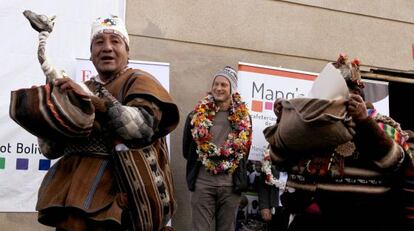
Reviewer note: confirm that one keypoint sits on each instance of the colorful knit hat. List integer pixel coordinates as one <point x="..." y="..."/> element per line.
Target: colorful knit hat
<point x="350" y="72"/>
<point x="230" y="74"/>
<point x="111" y="24"/>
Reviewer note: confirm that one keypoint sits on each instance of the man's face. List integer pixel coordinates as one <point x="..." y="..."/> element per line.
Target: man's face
<point x="221" y="89"/>
<point x="109" y="53"/>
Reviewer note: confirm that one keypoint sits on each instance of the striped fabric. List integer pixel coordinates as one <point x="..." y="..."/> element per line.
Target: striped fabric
<point x="145" y="182"/>
<point x="48" y="113"/>
<point x="392" y="132"/>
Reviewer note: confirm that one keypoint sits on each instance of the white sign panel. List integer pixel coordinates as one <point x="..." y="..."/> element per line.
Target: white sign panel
<point x="260" y="86"/>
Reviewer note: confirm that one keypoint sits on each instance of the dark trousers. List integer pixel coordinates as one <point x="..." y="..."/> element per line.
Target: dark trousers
<point x="210" y="203"/>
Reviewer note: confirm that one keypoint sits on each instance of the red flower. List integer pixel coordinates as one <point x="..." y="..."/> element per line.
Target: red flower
<point x="356" y="62"/>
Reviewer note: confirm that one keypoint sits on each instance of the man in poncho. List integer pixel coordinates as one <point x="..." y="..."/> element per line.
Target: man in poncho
<point x="347" y="186"/>
<point x="85" y="189"/>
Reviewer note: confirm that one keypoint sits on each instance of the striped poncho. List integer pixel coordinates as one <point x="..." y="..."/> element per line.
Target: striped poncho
<point x="82" y="192"/>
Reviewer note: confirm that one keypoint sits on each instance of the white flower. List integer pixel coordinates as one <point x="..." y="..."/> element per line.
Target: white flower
<point x="267" y="169"/>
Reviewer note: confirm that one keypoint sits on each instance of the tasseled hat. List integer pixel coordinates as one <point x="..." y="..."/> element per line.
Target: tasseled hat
<point x="230" y="74"/>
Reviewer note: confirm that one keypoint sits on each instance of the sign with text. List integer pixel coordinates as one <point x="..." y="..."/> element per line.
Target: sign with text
<point x="260" y="86"/>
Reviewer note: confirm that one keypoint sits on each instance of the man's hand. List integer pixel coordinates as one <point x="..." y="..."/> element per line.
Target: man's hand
<point x="68" y="84"/>
<point x="266" y="214"/>
<point x="357" y="108"/>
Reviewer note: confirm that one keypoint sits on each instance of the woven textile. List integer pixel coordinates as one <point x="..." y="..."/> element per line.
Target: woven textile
<point x="46" y="112"/>
<point x="144" y="181"/>
<point x="94" y="145"/>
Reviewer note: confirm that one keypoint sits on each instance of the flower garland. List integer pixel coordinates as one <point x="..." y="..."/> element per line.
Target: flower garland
<point x="224" y="159"/>
<point x="267" y="170"/>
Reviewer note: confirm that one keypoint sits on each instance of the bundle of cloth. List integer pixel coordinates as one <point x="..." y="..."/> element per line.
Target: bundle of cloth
<point x="319" y="121"/>
<point x="311" y="125"/>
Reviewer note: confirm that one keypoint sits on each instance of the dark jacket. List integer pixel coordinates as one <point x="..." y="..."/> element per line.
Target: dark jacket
<point x="268" y="194"/>
<point x="190" y="154"/>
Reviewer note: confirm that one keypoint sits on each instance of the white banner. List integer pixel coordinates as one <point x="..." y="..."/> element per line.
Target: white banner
<point x="261" y="85"/>
<point x="22" y="166"/>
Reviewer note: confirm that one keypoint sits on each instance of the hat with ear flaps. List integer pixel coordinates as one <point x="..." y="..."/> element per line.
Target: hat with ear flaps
<point x="350" y="72"/>
<point x="230" y="74"/>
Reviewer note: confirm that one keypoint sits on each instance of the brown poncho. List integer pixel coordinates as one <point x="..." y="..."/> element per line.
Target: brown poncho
<point x="80" y="191"/>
